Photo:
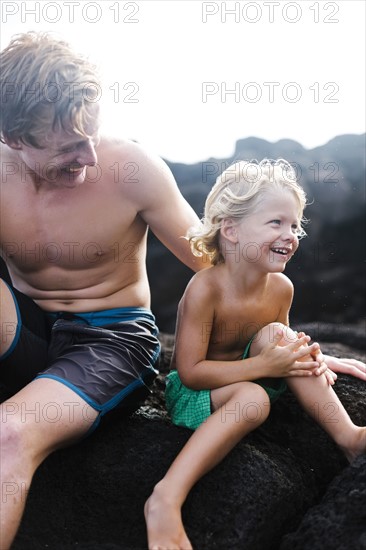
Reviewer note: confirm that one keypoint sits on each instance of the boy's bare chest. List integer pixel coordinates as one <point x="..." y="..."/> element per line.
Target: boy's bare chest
<point x="236" y="323"/>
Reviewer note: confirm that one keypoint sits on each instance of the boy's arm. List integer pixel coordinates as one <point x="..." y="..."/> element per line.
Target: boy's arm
<point x="196" y="315"/>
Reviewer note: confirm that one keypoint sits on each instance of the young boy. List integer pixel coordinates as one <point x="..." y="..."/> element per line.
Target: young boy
<point x="233" y="342"/>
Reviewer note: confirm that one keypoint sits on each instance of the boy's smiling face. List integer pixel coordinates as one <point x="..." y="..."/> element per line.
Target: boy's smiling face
<point x="270" y="234"/>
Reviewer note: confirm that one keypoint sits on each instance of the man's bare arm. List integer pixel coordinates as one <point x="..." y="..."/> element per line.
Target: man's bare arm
<point x="163" y="207"/>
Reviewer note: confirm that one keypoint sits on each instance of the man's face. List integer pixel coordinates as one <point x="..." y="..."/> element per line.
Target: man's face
<point x="63" y="159"/>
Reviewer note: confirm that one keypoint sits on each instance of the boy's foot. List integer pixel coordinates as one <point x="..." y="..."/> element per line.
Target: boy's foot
<point x="164" y="525"/>
<point x="359" y="446"/>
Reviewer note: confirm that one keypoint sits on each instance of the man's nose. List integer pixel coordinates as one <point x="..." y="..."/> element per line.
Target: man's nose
<point x="87" y="154"/>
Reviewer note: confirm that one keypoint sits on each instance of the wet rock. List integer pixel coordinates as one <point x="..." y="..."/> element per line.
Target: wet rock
<point x="284" y="485"/>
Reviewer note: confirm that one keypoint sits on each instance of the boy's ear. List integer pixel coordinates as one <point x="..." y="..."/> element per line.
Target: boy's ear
<point x="228" y="230"/>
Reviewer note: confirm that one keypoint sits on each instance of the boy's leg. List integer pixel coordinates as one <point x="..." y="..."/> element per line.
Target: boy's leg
<point x="321" y="402"/>
<point x="239" y="409"/>
<point x="318" y="398"/>
<point x="267" y="334"/>
<point x="43" y="416"/>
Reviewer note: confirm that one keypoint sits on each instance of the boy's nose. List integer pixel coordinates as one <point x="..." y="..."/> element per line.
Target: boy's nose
<point x="289" y="236"/>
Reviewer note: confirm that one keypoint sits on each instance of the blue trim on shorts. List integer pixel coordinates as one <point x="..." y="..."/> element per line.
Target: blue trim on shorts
<point x="106" y="316"/>
<point x="19" y="325"/>
<point x="102" y="409"/>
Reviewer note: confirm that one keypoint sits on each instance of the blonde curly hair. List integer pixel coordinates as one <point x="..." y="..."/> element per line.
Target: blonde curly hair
<point x="236" y="194"/>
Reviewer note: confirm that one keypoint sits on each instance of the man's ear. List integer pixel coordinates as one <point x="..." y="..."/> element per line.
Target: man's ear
<point x="12" y="143"/>
<point x="228" y="230"/>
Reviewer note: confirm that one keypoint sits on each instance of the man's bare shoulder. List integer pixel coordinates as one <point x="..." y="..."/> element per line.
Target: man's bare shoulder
<point x="110" y="144"/>
<point x="144" y="173"/>
<point x="112" y="149"/>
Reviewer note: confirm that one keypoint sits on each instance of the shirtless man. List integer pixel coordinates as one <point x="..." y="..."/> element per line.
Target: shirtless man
<point x="75" y="211"/>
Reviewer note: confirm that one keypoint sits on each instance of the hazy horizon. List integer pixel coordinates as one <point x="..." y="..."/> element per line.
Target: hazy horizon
<point x="189" y="79"/>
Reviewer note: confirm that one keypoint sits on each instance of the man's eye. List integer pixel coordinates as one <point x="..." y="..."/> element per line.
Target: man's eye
<point x="96" y="140"/>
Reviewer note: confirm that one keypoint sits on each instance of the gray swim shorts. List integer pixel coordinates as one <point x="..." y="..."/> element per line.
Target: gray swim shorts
<point x="106" y="357"/>
<point x="103" y="361"/>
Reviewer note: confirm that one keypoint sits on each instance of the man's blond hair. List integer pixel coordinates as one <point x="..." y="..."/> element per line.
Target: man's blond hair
<point x="44" y="86"/>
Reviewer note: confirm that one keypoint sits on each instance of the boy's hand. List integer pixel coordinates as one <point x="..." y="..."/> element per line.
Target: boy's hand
<point x="293" y="359"/>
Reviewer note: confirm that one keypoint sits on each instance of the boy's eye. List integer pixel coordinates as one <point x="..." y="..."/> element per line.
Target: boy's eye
<point x="276" y="221"/>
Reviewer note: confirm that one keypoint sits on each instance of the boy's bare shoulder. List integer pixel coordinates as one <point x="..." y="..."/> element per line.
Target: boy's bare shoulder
<point x="202" y="286"/>
<point x="281" y="284"/>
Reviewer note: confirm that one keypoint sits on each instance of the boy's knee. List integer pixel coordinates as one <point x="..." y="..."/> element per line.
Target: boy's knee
<point x="253" y="407"/>
<point x="289" y="335"/>
<point x="267" y="335"/>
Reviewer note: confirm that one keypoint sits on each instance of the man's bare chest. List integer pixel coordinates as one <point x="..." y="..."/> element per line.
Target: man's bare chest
<point x="71" y="228"/>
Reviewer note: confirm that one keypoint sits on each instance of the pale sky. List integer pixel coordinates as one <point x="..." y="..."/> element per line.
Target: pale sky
<point x="188" y="78"/>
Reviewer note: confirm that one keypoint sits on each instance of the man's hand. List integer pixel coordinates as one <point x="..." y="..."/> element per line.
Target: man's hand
<point x="353" y="367"/>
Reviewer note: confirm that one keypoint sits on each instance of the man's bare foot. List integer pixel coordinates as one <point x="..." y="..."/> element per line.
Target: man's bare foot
<point x="164" y="524"/>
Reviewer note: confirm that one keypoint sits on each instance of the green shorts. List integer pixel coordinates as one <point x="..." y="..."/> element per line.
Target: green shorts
<point x="189" y="408"/>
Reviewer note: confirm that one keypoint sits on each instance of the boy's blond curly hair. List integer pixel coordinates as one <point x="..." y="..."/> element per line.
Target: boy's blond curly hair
<point x="236" y="194"/>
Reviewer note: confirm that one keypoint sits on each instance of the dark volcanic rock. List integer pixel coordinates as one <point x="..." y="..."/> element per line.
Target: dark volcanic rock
<point x="339" y="521"/>
<point x="266" y="495"/>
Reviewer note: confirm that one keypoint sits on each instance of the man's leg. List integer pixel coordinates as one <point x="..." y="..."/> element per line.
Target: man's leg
<point x="8" y="318"/>
<point x="40" y="418"/>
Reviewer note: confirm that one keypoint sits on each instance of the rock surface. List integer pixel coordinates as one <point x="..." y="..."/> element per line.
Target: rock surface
<point x="286" y="486"/>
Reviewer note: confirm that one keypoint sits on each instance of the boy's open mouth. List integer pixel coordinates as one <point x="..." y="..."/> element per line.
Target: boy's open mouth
<point x="282" y="251"/>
